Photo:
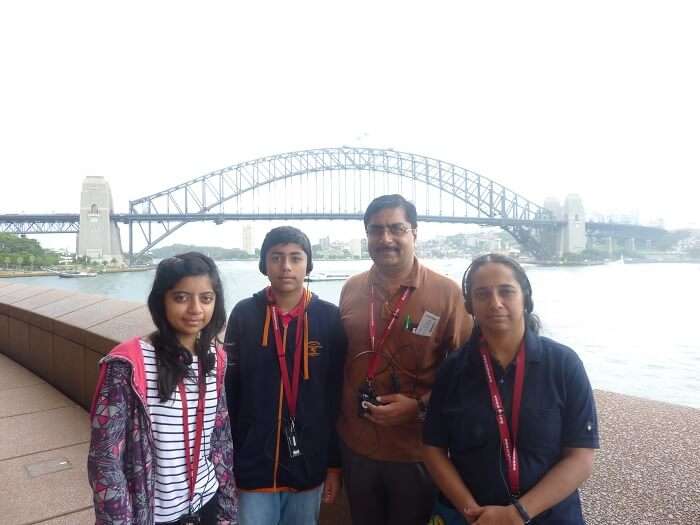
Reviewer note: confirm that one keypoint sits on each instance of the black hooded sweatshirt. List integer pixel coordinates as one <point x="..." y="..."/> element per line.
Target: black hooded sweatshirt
<point x="253" y="390"/>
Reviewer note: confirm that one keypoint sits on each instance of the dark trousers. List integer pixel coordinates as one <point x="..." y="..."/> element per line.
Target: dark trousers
<point x="207" y="514"/>
<point x="387" y="492"/>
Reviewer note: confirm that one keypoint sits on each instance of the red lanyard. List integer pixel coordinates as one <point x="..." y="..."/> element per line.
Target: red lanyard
<point x="192" y="461"/>
<point x="372" y="368"/>
<point x="508" y="439"/>
<point x="291" y="390"/>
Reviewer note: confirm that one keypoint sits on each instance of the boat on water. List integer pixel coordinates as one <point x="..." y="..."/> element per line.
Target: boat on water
<point x="318" y="277"/>
<point x="71" y="275"/>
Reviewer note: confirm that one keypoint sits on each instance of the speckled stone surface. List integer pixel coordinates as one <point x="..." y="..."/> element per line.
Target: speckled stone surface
<point x="85" y="517"/>
<point x="648" y="468"/>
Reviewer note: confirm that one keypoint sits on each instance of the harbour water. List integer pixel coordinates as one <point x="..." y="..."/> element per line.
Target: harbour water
<point x="635" y="326"/>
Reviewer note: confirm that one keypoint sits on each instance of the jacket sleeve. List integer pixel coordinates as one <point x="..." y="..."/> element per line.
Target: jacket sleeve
<point x="335" y="388"/>
<point x="222" y="459"/>
<point x="108" y="422"/>
<point x="232" y="345"/>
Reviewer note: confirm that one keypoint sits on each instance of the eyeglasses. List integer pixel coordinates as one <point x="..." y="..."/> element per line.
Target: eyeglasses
<point x="398" y="229"/>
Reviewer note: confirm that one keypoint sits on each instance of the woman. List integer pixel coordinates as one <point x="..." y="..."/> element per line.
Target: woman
<point x="153" y="458"/>
<point x="511" y="424"/>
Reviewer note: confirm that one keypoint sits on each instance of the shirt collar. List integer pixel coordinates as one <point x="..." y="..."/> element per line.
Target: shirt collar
<point x="270" y="295"/>
<point x="533" y="348"/>
<point x="412" y="280"/>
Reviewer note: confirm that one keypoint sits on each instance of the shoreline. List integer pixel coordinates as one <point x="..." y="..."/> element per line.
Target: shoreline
<point x="44" y="273"/>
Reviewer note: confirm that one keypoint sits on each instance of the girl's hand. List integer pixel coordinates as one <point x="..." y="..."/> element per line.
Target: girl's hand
<point x="496" y="515"/>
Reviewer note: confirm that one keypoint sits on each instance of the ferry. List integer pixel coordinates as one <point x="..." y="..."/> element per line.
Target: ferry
<point x="70" y="275"/>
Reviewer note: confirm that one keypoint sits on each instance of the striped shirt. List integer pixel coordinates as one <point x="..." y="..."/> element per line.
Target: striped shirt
<point x="171" y="487"/>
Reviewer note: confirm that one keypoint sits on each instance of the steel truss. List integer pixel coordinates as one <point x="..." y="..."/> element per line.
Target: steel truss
<point x="630" y="231"/>
<point x="484" y="201"/>
<point x="34" y="224"/>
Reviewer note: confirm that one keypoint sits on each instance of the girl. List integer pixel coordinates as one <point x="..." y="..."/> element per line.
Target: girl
<point x="161" y="439"/>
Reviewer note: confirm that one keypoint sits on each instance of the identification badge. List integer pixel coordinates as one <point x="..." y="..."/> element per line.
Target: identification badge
<point x="427" y="324"/>
<point x="290" y="432"/>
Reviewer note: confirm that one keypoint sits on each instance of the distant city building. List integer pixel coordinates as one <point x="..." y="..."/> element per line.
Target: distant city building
<point x="356" y="247"/>
<point x="325" y="242"/>
<point x="247" y="238"/>
<point x="553" y="205"/>
<point x="624" y="218"/>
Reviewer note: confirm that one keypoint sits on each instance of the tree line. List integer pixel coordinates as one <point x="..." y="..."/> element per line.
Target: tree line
<point x="19" y="252"/>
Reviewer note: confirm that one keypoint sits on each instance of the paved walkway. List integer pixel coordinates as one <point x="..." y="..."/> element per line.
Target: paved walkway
<point x="647" y="472"/>
<point x="44" y="440"/>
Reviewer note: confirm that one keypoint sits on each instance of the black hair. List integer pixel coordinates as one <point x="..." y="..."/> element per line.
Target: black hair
<point x="392" y="201"/>
<point x="285" y="235"/>
<point x="174" y="359"/>
<point x="531" y="320"/>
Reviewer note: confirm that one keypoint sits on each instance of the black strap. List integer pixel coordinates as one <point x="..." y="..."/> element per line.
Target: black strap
<point x="521" y="510"/>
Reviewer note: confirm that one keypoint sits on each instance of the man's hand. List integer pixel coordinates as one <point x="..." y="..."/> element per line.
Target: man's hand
<point x="495" y="515"/>
<point x="332" y="486"/>
<point x="395" y="409"/>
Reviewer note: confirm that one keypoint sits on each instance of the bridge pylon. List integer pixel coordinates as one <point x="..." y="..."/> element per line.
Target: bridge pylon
<point x="569" y="234"/>
<point x="98" y="237"/>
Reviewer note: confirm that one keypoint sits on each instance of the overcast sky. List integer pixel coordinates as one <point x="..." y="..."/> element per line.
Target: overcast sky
<point x="598" y="98"/>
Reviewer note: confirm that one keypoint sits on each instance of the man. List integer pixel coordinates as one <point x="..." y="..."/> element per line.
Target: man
<point x="401" y="319"/>
<point x="286" y="350"/>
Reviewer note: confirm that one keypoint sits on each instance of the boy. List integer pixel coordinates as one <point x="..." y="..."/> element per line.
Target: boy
<point x="286" y="349"/>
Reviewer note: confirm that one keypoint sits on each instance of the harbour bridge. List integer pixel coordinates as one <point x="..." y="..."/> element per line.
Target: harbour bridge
<point x="335" y="184"/>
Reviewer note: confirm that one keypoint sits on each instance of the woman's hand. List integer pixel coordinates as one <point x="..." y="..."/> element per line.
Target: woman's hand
<point x="494" y="515"/>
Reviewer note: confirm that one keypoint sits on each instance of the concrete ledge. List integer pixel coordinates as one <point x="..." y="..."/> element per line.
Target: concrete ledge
<point x="61" y="335"/>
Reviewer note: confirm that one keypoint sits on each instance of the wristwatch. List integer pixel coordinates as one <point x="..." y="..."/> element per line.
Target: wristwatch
<point x="521" y="510"/>
<point x="422" y="409"/>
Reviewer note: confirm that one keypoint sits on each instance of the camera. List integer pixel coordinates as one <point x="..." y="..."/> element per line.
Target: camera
<point x="365" y="394"/>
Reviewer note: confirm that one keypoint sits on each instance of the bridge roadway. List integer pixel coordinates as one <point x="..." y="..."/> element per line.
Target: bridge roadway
<point x="50" y="344"/>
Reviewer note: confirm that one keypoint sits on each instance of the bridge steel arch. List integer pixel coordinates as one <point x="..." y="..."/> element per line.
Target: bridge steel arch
<point x="483" y="201"/>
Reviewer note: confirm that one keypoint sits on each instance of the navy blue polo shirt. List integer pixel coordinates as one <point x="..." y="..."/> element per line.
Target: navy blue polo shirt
<point x="557" y="411"/>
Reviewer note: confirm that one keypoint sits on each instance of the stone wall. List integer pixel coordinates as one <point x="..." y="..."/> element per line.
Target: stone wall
<point x="61" y="335"/>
